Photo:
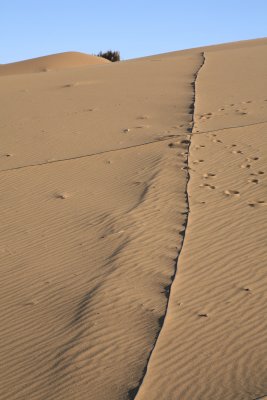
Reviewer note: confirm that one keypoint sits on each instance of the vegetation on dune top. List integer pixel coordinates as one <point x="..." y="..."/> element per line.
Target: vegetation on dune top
<point x="110" y="55"/>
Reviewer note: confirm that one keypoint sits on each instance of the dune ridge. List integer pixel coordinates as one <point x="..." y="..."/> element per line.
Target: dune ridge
<point x="134" y="393"/>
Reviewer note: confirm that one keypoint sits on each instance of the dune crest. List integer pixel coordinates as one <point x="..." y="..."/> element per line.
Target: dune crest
<point x="70" y="59"/>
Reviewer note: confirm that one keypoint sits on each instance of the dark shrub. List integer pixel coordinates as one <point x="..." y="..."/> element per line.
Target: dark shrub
<point x="110" y="55"/>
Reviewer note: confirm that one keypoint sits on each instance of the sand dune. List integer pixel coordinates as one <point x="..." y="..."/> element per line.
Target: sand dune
<point x="133" y="228"/>
<point x="52" y="62"/>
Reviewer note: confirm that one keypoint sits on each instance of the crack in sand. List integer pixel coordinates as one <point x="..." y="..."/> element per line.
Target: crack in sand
<point x="127" y="147"/>
<point x="133" y="394"/>
<point x="230" y="127"/>
<point x="163" y="139"/>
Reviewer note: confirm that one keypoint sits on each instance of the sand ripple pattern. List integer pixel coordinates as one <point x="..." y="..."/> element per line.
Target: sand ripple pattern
<point x="213" y="343"/>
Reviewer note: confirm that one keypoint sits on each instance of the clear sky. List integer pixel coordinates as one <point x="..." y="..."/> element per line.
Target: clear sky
<point x="32" y="28"/>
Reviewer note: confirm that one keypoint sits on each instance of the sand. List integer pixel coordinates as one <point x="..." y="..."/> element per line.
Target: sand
<point x="133" y="226"/>
<point x="53" y="62"/>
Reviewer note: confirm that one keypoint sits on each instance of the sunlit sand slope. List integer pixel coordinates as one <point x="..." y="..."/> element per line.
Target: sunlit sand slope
<point x="213" y="342"/>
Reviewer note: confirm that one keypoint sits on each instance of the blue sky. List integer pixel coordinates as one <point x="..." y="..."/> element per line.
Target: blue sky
<point x="32" y="28"/>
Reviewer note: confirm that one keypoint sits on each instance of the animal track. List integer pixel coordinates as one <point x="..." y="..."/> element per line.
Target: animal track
<point x="209" y="175"/>
<point x="197" y="161"/>
<point x="143" y="117"/>
<point x="254" y="204"/>
<point x="241" y="112"/>
<point x="231" y="192"/>
<point x="237" y="152"/>
<point x="253" y="180"/>
<point x="61" y="195"/>
<point x="208" y="186"/>
<point x="197" y="147"/>
<point x="203" y="314"/>
<point x="175" y="144"/>
<point x="252" y="159"/>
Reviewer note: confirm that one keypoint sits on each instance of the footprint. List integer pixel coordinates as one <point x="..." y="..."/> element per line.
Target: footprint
<point x="245" y="166"/>
<point x="89" y="109"/>
<point x="174" y="144"/>
<point x="203" y="314"/>
<point x="241" y="112"/>
<point x="253" y="180"/>
<point x="260" y="172"/>
<point x="231" y="192"/>
<point x="143" y="117"/>
<point x="197" y="161"/>
<point x="257" y="203"/>
<point x="208" y="185"/>
<point x="237" y="152"/>
<point x="32" y="302"/>
<point x="217" y="141"/>
<point x="61" y="195"/>
<point x="252" y="158"/>
<point x="209" y="175"/>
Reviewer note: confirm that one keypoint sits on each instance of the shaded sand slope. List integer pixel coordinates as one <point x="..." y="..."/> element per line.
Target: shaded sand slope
<point x="213" y="341"/>
<point x="70" y="59"/>
<point x="89" y="245"/>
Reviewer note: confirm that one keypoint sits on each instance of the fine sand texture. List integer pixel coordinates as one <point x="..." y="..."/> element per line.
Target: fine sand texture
<point x="133" y="226"/>
<point x="52" y="62"/>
